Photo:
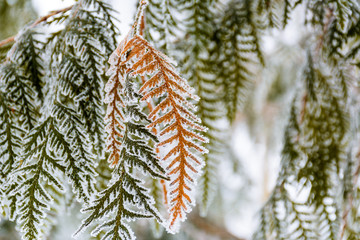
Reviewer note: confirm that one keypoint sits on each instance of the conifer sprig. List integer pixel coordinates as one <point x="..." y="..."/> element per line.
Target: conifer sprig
<point x="80" y="162"/>
<point x="268" y="10"/>
<point x="40" y="165"/>
<point x="176" y="116"/>
<point x="239" y="51"/>
<point x="161" y="22"/>
<point x="125" y="189"/>
<point x="58" y="145"/>
<point x="313" y="152"/>
<point x="20" y="93"/>
<point x="107" y="20"/>
<point x="10" y="143"/>
<point x="298" y="214"/>
<point x="27" y="45"/>
<point x="10" y="148"/>
<point x="82" y="65"/>
<point x="47" y="155"/>
<point x="329" y="152"/>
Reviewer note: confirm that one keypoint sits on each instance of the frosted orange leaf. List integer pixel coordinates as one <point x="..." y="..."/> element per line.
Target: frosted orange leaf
<point x="174" y="113"/>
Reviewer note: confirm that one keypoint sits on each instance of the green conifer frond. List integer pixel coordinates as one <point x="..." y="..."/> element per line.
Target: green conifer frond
<point x="312" y="162"/>
<point x="10" y="142"/>
<point x="47" y="153"/>
<point x="82" y="65"/>
<point x="80" y="166"/>
<point x="22" y="74"/>
<point x="27" y="56"/>
<point x="240" y="48"/>
<point x="10" y="146"/>
<point x="105" y="19"/>
<point x="269" y="11"/>
<point x="20" y="93"/>
<point x="161" y="23"/>
<point x="59" y="143"/>
<point x="125" y="189"/>
<point x="40" y="165"/>
<point x="332" y="18"/>
<point x="272" y="223"/>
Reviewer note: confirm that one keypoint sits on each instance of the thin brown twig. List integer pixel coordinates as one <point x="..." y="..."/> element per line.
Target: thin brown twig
<point x="211" y="228"/>
<point x="37" y="22"/>
<point x="6" y="41"/>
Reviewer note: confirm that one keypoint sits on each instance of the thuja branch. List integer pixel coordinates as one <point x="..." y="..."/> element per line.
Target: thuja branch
<point x="37" y="22"/>
<point x="176" y="115"/>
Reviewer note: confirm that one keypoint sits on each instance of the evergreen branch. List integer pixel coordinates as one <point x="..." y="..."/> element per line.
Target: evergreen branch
<point x="147" y="60"/>
<point x="20" y="93"/>
<point x="326" y="157"/>
<point x="333" y="17"/>
<point x="26" y="53"/>
<point x="125" y="189"/>
<point x="108" y="21"/>
<point x="44" y="145"/>
<point x="79" y="158"/>
<point x="267" y="9"/>
<point x="10" y="146"/>
<point x="236" y="50"/>
<point x="312" y="166"/>
<point x="83" y="63"/>
<point x="162" y="23"/>
<point x="10" y="142"/>
<point x="39" y="166"/>
<point x="272" y="224"/>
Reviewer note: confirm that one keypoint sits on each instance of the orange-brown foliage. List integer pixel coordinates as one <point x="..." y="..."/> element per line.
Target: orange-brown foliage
<point x="174" y="115"/>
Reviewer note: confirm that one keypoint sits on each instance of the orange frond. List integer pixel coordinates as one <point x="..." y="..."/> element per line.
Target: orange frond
<point x="173" y="114"/>
<point x="114" y="116"/>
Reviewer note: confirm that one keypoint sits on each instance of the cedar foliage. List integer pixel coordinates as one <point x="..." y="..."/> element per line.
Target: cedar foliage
<point x="125" y="145"/>
<point x="125" y="188"/>
<point x="176" y="117"/>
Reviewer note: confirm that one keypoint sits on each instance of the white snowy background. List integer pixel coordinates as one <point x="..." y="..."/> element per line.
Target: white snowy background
<point x="253" y="154"/>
